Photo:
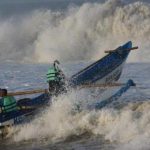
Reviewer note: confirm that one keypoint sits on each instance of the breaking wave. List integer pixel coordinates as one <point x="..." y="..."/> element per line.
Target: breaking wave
<point x="80" y="32"/>
<point x="128" y="127"/>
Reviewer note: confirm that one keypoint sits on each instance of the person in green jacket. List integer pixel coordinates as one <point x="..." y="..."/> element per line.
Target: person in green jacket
<point x="55" y="79"/>
<point x="8" y="103"/>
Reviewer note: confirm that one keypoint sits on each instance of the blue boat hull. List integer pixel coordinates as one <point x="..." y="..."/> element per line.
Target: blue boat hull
<point x="27" y="107"/>
<point x="20" y="116"/>
<point x="105" y="70"/>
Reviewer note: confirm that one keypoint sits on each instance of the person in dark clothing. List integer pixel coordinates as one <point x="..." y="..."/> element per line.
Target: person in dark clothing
<point x="55" y="79"/>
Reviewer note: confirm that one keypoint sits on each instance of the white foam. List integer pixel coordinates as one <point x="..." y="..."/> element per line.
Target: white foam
<point x="129" y="127"/>
<point x="77" y="33"/>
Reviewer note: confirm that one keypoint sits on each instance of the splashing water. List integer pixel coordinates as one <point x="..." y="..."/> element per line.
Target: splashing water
<point x="127" y="126"/>
<point x="79" y="32"/>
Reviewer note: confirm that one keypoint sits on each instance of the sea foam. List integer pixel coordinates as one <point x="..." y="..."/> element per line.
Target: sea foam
<point x="76" y="33"/>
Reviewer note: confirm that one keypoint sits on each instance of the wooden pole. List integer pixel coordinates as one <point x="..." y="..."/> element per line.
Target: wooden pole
<point x="28" y="92"/>
<point x="80" y="87"/>
<point x="133" y="48"/>
<point x="46" y="91"/>
<point x="101" y="85"/>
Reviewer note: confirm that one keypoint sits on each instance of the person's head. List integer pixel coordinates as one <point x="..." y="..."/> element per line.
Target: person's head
<point x="56" y="63"/>
<point x="3" y="92"/>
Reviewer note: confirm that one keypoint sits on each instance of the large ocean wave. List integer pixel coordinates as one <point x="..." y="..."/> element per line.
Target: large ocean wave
<point x="77" y="33"/>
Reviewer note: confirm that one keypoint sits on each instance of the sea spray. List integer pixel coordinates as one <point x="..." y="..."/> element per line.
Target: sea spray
<point x="55" y="122"/>
<point x="127" y="126"/>
<point x="76" y="33"/>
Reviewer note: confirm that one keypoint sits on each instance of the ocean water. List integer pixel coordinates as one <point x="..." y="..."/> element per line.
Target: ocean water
<point x="35" y="33"/>
<point x="122" y="125"/>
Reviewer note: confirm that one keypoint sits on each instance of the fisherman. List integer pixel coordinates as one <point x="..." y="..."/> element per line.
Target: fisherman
<point x="8" y="103"/>
<point x="56" y="79"/>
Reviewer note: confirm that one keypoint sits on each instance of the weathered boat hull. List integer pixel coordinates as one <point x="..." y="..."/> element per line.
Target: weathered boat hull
<point x="24" y="115"/>
<point x="105" y="70"/>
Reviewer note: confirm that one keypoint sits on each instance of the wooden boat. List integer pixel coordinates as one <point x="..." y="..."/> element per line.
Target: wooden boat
<point x="26" y="113"/>
<point x="106" y="70"/>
